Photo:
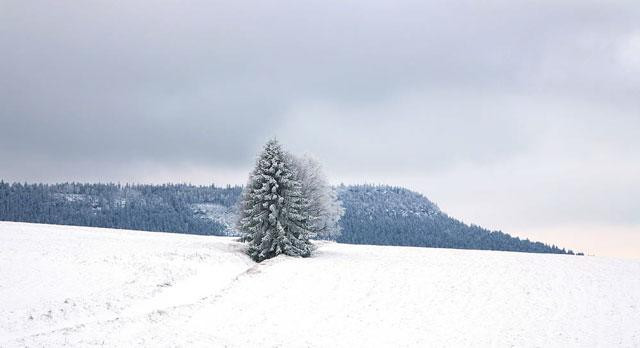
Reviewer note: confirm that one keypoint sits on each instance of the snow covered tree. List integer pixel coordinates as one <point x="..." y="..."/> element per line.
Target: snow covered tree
<point x="272" y="217"/>
<point x="324" y="209"/>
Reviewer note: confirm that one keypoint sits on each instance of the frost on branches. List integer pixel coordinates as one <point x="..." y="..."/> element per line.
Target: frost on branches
<point x="324" y="210"/>
<point x="273" y="210"/>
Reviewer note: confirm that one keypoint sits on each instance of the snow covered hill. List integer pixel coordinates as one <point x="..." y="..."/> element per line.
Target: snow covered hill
<point x="79" y="286"/>
<point x="374" y="214"/>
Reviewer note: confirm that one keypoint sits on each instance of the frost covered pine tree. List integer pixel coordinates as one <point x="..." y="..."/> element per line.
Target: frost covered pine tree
<point x="272" y="217"/>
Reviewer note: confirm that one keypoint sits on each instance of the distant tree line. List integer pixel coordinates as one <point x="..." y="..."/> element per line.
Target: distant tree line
<point x="164" y="208"/>
<point x="385" y="215"/>
<point x="379" y="215"/>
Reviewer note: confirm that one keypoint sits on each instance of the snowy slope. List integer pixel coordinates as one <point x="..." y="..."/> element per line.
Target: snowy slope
<point x="79" y="286"/>
<point x="223" y="215"/>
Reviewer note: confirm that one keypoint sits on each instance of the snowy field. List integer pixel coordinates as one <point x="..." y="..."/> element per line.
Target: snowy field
<point x="80" y="286"/>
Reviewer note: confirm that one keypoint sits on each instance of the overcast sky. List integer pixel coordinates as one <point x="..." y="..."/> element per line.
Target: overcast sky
<point x="522" y="116"/>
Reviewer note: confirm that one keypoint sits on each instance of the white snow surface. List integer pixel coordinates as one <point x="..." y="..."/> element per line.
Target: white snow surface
<point x="79" y="286"/>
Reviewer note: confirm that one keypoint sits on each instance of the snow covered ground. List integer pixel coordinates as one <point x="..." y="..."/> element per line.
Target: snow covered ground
<point x="81" y="286"/>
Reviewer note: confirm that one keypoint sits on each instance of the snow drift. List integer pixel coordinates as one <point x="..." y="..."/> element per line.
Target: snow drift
<point x="78" y="286"/>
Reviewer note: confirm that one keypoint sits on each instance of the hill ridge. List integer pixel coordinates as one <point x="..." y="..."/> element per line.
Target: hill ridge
<point x="374" y="214"/>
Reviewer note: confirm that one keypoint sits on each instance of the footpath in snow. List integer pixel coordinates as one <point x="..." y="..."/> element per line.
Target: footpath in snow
<point x="79" y="286"/>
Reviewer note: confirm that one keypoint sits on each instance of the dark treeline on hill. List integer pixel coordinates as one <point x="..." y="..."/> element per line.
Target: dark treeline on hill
<point x="384" y="215"/>
<point x="379" y="215"/>
<point x="165" y="208"/>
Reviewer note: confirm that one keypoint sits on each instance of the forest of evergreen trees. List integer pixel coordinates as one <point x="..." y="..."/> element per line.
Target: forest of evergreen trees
<point x="165" y="208"/>
<point x="379" y="215"/>
<point x="384" y="215"/>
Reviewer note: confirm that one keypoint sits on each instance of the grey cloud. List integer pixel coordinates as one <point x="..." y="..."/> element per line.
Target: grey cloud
<point x="174" y="79"/>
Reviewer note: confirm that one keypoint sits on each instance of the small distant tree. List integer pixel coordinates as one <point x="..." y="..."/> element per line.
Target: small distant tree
<point x="324" y="210"/>
<point x="272" y="218"/>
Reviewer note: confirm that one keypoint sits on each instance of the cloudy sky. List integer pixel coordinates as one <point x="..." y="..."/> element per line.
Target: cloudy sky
<point x="516" y="115"/>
